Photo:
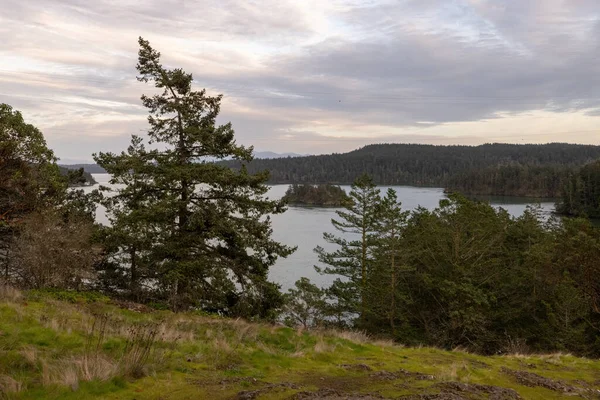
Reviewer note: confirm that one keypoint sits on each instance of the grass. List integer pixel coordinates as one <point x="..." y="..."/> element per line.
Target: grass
<point x="58" y="346"/>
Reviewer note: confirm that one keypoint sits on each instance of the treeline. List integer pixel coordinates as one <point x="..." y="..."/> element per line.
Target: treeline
<point x="315" y="195"/>
<point x="497" y="169"/>
<point x="463" y="275"/>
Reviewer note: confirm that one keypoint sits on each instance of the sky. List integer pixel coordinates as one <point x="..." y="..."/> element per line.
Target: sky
<point x="311" y="76"/>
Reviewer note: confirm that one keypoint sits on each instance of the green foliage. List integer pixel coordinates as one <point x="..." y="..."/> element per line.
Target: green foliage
<point x="36" y="207"/>
<point x="185" y="230"/>
<point x="468" y="275"/>
<point x="306" y="305"/>
<point x="316" y="195"/>
<point x="29" y="176"/>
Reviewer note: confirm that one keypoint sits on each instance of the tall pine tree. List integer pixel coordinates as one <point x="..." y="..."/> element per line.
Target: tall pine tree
<point x="213" y="246"/>
<point x="353" y="260"/>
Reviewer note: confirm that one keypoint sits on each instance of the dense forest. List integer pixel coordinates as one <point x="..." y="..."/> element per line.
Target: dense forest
<point x="462" y="275"/>
<point x="316" y="195"/>
<point x="500" y="169"/>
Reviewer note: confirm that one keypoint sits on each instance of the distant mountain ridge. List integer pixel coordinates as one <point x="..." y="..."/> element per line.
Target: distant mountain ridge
<point x="92" y="168"/>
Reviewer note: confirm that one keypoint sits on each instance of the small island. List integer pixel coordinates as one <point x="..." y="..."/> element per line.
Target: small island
<point x="323" y="195"/>
<point x="77" y="177"/>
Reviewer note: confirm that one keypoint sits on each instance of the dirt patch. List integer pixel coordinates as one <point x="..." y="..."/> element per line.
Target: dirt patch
<point x="356" y="367"/>
<point x="331" y="394"/>
<point x="527" y="365"/>
<point x="239" y="379"/>
<point x="479" y="364"/>
<point x="390" y="376"/>
<point x="270" y="387"/>
<point x="530" y="379"/>
<point x="488" y="391"/>
<point x="466" y="391"/>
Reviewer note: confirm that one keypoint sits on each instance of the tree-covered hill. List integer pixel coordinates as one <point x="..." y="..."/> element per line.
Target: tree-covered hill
<point x="486" y="169"/>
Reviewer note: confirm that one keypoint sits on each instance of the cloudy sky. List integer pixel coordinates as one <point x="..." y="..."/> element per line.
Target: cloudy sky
<point x="312" y="76"/>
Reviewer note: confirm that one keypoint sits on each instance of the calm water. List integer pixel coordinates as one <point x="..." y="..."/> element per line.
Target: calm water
<point x="304" y="226"/>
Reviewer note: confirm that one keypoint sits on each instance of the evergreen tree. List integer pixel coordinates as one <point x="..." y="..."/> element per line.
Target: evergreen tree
<point x="353" y="260"/>
<point x="129" y="237"/>
<point x="389" y="261"/>
<point x="305" y="305"/>
<point x="213" y="244"/>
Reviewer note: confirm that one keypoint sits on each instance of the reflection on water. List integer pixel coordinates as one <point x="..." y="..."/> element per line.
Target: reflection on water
<point x="304" y="226"/>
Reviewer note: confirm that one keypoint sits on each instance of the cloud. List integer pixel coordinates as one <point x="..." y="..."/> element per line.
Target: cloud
<point x="312" y="76"/>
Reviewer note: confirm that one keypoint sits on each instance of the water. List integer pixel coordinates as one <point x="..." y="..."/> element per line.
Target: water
<point x="304" y="226"/>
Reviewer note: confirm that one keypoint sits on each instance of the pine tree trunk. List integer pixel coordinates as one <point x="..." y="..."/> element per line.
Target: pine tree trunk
<point x="393" y="287"/>
<point x="363" y="267"/>
<point x="182" y="214"/>
<point x="133" y="282"/>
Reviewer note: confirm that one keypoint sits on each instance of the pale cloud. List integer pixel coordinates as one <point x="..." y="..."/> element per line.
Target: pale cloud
<point x="312" y="76"/>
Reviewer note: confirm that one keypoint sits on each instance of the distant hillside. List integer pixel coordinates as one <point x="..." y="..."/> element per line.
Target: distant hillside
<point x="508" y="169"/>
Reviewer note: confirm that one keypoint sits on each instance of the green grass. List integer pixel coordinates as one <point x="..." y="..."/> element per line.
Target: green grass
<point x="55" y="346"/>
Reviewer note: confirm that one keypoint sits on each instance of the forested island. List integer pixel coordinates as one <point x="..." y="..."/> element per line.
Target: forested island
<point x="77" y="176"/>
<point x="323" y="195"/>
<point x="491" y="169"/>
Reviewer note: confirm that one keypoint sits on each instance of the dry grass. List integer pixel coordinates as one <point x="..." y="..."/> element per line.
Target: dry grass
<point x="69" y="372"/>
<point x="223" y="356"/>
<point x="351" y="336"/>
<point x="456" y="372"/>
<point x="9" y="385"/>
<point x="9" y="293"/>
<point x="322" y="346"/>
<point x="30" y="355"/>
<point x="385" y="343"/>
<point x="138" y="350"/>
<point x="265" y="348"/>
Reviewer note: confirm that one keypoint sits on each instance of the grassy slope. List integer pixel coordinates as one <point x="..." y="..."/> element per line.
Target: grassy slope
<point x="46" y="352"/>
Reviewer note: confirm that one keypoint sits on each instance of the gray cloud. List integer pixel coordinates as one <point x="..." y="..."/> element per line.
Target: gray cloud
<point x="309" y="76"/>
